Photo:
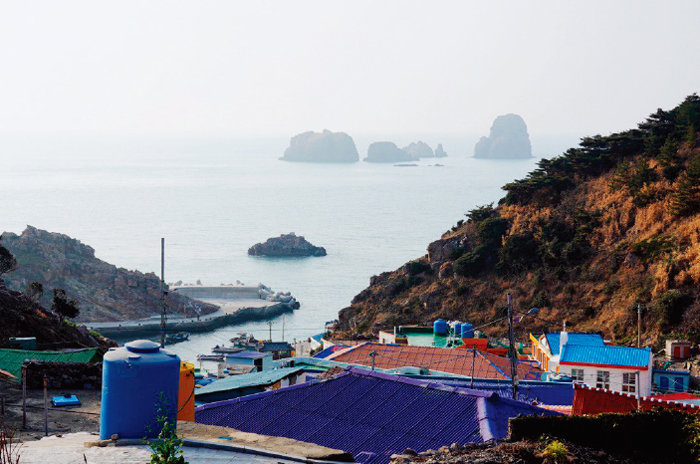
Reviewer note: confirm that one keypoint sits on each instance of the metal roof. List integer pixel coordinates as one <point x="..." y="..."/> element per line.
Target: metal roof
<point x="12" y="360"/>
<point x="622" y="356"/>
<point x="370" y="415"/>
<point x="248" y="355"/>
<point x="460" y="362"/>
<point x="554" y="339"/>
<point x="253" y="379"/>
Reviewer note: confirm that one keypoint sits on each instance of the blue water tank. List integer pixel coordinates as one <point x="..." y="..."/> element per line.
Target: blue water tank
<point x="440" y="327"/>
<point x="467" y="330"/>
<point x="138" y="379"/>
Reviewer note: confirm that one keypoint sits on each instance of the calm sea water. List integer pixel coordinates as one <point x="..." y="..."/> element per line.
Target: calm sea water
<point x="212" y="200"/>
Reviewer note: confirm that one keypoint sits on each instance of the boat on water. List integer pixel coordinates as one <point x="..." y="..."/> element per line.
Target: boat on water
<point x="178" y="337"/>
<point x="225" y="349"/>
<point x="210" y="357"/>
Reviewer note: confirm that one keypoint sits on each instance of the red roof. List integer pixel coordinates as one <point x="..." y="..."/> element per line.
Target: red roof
<point x="682" y="396"/>
<point x="486" y="365"/>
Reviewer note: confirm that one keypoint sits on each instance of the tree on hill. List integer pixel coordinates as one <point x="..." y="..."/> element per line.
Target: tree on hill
<point x="64" y="306"/>
<point x="7" y="261"/>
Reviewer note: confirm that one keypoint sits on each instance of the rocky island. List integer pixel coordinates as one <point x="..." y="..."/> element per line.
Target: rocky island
<point x="508" y="138"/>
<point x="440" y="152"/>
<point x="286" y="245"/>
<point x="387" y="152"/>
<point x="103" y="292"/>
<point x="322" y="147"/>
<point x="419" y="149"/>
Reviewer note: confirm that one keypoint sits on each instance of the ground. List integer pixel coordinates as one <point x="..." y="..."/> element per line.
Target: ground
<point x="505" y="453"/>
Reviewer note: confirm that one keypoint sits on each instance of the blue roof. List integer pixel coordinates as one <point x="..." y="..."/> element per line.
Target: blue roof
<point x="371" y="415"/>
<point x="276" y="346"/>
<point x="253" y="379"/>
<point x="605" y="355"/>
<point x="553" y="339"/>
<point x="317" y="337"/>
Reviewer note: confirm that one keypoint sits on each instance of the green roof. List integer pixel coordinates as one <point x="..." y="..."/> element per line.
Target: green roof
<point x="254" y="379"/>
<point x="12" y="360"/>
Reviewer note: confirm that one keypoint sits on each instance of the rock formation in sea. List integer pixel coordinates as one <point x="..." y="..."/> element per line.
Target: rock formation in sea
<point x="440" y="152"/>
<point x="387" y="152"/>
<point x="508" y="139"/>
<point x="419" y="149"/>
<point x="288" y="245"/>
<point x="103" y="292"/>
<point x="322" y="147"/>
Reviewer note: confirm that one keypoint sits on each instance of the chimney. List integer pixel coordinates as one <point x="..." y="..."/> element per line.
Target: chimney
<point x="563" y="337"/>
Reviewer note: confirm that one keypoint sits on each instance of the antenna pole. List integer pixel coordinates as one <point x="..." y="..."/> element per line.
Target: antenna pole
<point x="162" y="291"/>
<point x="512" y="351"/>
<point x="639" y="325"/>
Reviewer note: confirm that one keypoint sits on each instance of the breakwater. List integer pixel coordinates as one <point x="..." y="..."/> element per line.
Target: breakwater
<point x="207" y="323"/>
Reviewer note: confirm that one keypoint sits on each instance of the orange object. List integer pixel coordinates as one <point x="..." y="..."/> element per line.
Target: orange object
<point x="185" y="401"/>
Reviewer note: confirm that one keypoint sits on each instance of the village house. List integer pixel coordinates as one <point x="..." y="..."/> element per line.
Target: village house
<point x="587" y="359"/>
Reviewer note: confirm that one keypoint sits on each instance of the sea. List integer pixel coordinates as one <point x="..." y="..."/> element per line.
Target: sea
<point x="211" y="198"/>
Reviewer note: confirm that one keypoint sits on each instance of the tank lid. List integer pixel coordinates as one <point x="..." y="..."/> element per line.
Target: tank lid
<point x="142" y="346"/>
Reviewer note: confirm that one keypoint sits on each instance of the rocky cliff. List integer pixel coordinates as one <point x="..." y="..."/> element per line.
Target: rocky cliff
<point x="508" y="139"/>
<point x="103" y="291"/>
<point x="588" y="237"/>
<point x="322" y="147"/>
<point x="387" y="152"/>
<point x="286" y="245"/>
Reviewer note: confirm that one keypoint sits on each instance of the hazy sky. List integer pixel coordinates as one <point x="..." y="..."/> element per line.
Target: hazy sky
<point x="260" y="67"/>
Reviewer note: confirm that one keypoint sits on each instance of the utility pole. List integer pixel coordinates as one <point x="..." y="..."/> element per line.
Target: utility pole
<point x="473" y="361"/>
<point x="373" y="354"/>
<point x="162" y="291"/>
<point x="639" y="325"/>
<point x="282" y="327"/>
<point x="512" y="352"/>
<point x="270" y="324"/>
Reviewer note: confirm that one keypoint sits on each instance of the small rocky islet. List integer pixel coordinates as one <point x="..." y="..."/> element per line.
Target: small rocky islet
<point x="286" y="245"/>
<point x="508" y="138"/>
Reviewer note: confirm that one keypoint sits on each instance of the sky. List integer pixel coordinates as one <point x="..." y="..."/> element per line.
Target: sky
<point x="257" y="68"/>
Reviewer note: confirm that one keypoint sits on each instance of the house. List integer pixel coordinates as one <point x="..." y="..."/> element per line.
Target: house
<point x="665" y="381"/>
<point x="677" y="350"/>
<point x="371" y="415"/>
<point x="246" y="384"/>
<point x="587" y="359"/>
<point x="249" y="359"/>
<point x="279" y="350"/>
<point x="464" y="362"/>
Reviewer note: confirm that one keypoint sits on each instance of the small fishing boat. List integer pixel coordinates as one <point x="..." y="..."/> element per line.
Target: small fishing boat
<point x="178" y="337"/>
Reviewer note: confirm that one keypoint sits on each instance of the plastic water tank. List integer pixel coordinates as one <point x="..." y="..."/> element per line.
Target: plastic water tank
<point x="467" y="330"/>
<point x="138" y="379"/>
<point x="440" y="327"/>
<point x="185" y="402"/>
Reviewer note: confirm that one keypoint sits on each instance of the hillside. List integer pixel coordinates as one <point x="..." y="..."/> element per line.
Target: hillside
<point x="103" y="292"/>
<point x="585" y="237"/>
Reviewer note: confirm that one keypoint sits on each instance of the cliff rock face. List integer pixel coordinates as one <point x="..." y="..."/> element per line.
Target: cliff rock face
<point x="322" y="147"/>
<point x="586" y="237"/>
<point x="103" y="291"/>
<point x="387" y="152"/>
<point x="508" y="139"/>
<point x="290" y="245"/>
<point x="440" y="152"/>
<point x="22" y="317"/>
<point x="419" y="150"/>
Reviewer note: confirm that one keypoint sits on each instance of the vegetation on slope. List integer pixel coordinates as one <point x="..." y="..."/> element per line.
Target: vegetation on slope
<point x="587" y="237"/>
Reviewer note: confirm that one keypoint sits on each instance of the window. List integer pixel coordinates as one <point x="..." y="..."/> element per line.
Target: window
<point x="603" y="379"/>
<point x="577" y="375"/>
<point x="629" y="382"/>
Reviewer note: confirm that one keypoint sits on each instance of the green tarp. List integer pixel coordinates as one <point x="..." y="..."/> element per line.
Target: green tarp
<point x="12" y="360"/>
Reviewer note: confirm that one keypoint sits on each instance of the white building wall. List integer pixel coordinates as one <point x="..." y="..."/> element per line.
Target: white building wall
<point x="590" y="375"/>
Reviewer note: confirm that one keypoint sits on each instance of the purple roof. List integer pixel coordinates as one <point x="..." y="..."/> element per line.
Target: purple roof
<point x="371" y="415"/>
